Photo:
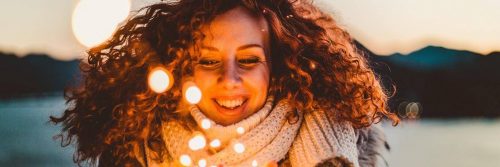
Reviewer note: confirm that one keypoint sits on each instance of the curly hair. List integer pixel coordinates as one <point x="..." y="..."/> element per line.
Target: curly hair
<point x="113" y="112"/>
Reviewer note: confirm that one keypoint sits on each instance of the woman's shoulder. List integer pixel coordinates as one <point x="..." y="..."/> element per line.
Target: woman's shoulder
<point x="370" y="142"/>
<point x="364" y="147"/>
<point x="373" y="148"/>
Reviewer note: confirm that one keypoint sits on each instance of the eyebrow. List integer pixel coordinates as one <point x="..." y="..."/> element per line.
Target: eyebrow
<point x="239" y="48"/>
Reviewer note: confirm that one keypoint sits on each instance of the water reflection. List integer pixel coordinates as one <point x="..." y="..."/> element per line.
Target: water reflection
<point x="27" y="138"/>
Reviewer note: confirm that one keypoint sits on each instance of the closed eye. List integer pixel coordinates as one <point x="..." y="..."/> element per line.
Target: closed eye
<point x="209" y="63"/>
<point x="249" y="62"/>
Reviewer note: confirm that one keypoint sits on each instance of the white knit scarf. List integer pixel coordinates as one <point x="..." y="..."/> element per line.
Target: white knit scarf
<point x="313" y="139"/>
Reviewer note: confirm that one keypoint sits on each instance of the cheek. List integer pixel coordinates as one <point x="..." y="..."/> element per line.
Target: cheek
<point x="205" y="81"/>
<point x="259" y="81"/>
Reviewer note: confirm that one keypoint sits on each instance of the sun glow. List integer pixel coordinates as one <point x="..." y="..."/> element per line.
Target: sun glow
<point x="94" y="21"/>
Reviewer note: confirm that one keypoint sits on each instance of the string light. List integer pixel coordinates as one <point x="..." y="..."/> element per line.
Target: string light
<point x="312" y="65"/>
<point x="160" y="80"/>
<point x="185" y="160"/>
<point x="215" y="143"/>
<point x="206" y="124"/>
<point x="254" y="163"/>
<point x="240" y="130"/>
<point x="192" y="93"/>
<point x="197" y="142"/>
<point x="239" y="148"/>
<point x="202" y="163"/>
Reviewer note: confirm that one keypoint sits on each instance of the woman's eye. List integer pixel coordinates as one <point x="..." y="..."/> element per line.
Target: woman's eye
<point x="249" y="61"/>
<point x="208" y="63"/>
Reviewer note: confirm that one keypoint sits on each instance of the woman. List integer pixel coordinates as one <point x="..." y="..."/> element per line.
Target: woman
<point x="280" y="83"/>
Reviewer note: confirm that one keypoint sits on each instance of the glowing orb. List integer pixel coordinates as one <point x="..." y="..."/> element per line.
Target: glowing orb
<point x="94" y="21"/>
<point x="202" y="163"/>
<point x="240" y="130"/>
<point x="254" y="163"/>
<point x="205" y="124"/>
<point x="215" y="143"/>
<point x="239" y="148"/>
<point x="160" y="80"/>
<point x="312" y="65"/>
<point x="185" y="160"/>
<point x="192" y="93"/>
<point x="197" y="142"/>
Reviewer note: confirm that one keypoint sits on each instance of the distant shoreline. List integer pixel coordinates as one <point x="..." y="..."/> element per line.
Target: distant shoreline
<point x="6" y="97"/>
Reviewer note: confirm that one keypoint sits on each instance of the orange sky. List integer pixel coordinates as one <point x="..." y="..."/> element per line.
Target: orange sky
<point x="384" y="27"/>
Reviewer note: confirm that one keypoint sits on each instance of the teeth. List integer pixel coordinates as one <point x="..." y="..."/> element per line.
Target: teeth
<point x="229" y="103"/>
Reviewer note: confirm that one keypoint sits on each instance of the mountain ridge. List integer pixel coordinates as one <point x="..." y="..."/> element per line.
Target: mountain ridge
<point x="34" y="74"/>
<point x="446" y="83"/>
<point x="460" y="84"/>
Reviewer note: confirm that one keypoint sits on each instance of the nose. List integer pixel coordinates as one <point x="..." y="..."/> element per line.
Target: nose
<point x="230" y="78"/>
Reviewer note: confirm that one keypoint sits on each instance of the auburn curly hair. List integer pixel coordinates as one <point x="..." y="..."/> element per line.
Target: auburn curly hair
<point x="113" y="112"/>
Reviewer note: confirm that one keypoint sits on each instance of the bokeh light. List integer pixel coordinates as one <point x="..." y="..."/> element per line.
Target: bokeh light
<point x="239" y="148"/>
<point x="410" y="110"/>
<point x="206" y="124"/>
<point x="160" y="80"/>
<point x="202" y="163"/>
<point x="215" y="143"/>
<point x="254" y="163"/>
<point x="197" y="142"/>
<point x="185" y="160"/>
<point x="192" y="93"/>
<point x="240" y="130"/>
<point x="94" y="21"/>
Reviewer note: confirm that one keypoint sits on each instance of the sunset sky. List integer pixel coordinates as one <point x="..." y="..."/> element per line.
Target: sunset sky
<point x="384" y="26"/>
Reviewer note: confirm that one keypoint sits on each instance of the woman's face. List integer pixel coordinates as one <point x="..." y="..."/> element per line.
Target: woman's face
<point x="232" y="71"/>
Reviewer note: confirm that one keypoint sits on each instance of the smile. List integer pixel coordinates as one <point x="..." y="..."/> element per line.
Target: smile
<point x="230" y="103"/>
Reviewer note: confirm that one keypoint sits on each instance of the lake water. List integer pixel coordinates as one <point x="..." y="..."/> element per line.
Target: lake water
<point x="26" y="139"/>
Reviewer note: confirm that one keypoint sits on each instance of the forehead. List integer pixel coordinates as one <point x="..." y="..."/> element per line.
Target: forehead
<point x="236" y="26"/>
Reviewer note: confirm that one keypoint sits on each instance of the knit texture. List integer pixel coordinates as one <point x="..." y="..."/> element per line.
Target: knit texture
<point x="322" y="140"/>
<point x="314" y="139"/>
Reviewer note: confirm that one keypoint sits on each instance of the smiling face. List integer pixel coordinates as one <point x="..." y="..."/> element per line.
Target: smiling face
<point x="232" y="69"/>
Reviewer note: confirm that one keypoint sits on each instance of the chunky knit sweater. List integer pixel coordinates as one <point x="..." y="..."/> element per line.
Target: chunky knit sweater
<point x="314" y="139"/>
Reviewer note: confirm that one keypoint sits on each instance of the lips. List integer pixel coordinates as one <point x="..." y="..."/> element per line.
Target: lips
<point x="230" y="103"/>
<point x="231" y="106"/>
